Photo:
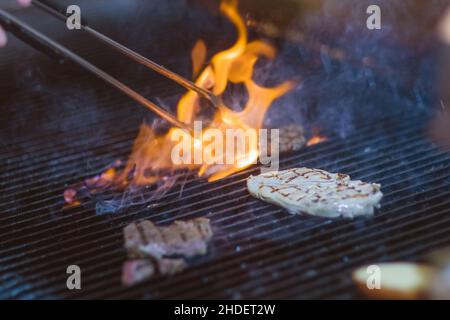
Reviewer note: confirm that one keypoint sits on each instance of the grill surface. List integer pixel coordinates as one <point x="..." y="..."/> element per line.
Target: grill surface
<point x="258" y="251"/>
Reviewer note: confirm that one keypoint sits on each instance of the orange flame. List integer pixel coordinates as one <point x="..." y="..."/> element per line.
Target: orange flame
<point x="316" y="140"/>
<point x="152" y="152"/>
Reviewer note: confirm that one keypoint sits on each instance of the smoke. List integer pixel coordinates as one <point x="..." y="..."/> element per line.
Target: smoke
<point x="133" y="196"/>
<point x="348" y="74"/>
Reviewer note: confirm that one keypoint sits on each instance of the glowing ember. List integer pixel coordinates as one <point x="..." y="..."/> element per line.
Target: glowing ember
<point x="316" y="140"/>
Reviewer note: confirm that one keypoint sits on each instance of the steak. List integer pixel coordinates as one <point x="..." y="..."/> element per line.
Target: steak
<point x="316" y="192"/>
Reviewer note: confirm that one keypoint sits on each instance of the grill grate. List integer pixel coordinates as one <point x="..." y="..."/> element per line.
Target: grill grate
<point x="259" y="251"/>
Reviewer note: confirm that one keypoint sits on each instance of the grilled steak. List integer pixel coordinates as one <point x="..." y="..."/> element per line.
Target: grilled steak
<point x="182" y="238"/>
<point x="162" y="249"/>
<point x="133" y="240"/>
<point x="171" y="266"/>
<point x="316" y="192"/>
<point x="134" y="271"/>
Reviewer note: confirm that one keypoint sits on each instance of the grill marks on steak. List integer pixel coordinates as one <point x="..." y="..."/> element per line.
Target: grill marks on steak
<point x="181" y="238"/>
<point x="163" y="249"/>
<point x="316" y="192"/>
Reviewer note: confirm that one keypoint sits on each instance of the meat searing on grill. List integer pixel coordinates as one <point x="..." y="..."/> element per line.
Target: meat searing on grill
<point x="135" y="271"/>
<point x="316" y="192"/>
<point x="291" y="138"/>
<point x="181" y="238"/>
<point x="162" y="250"/>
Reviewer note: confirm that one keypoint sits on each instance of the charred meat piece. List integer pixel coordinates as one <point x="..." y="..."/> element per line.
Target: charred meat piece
<point x="161" y="250"/>
<point x="153" y="242"/>
<point x="204" y="228"/>
<point x="133" y="240"/>
<point x="171" y="266"/>
<point x="182" y="238"/>
<point x="291" y="138"/>
<point x="134" y="271"/>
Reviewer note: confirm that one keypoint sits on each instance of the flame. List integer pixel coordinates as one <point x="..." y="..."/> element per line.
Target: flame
<point x="198" y="56"/>
<point x="151" y="152"/>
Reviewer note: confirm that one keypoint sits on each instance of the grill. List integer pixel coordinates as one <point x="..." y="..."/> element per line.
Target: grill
<point x="258" y="250"/>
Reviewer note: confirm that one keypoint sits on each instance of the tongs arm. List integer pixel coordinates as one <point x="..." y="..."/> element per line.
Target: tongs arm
<point x="62" y="15"/>
<point x="49" y="46"/>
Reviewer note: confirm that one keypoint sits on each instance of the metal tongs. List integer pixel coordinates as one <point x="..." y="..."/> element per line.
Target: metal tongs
<point x="49" y="46"/>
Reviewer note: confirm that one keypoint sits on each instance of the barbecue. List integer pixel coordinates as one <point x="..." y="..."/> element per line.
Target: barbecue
<point x="87" y="174"/>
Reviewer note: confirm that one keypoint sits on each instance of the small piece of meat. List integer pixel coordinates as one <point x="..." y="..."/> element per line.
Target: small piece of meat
<point x="69" y="195"/>
<point x="172" y="239"/>
<point x="188" y="230"/>
<point x="154" y="244"/>
<point x="291" y="138"/>
<point x="170" y="267"/>
<point x="193" y="242"/>
<point x="162" y="249"/>
<point x="134" y="271"/>
<point x="133" y="240"/>
<point x="150" y="232"/>
<point x="181" y="238"/>
<point x="204" y="228"/>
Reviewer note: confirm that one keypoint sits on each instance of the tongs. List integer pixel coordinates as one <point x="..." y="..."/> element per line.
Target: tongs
<point x="43" y="43"/>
